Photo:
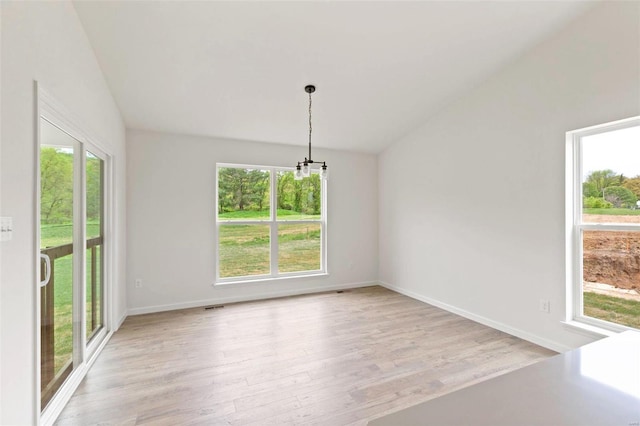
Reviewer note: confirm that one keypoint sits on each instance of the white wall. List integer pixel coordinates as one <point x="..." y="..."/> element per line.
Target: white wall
<point x="42" y="41"/>
<point x="478" y="224"/>
<point x="171" y="219"/>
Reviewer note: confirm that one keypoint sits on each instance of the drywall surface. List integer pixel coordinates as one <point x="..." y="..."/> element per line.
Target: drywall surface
<point x="44" y="42"/>
<point x="477" y="224"/>
<point x="171" y="220"/>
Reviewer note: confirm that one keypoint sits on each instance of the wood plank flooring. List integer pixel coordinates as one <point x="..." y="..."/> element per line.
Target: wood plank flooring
<point x="324" y="359"/>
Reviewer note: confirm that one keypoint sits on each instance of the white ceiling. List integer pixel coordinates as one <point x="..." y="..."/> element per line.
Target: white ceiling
<point x="238" y="69"/>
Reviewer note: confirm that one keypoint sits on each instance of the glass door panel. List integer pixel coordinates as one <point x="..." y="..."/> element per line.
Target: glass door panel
<point x="95" y="242"/>
<point x="57" y="290"/>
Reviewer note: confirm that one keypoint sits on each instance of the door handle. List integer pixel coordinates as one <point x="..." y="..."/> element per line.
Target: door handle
<point x="47" y="273"/>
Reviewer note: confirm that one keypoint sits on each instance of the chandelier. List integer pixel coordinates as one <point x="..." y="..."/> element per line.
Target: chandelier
<point x="303" y="169"/>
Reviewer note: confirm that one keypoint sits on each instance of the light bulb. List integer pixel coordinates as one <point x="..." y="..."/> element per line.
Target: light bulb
<point x="324" y="173"/>
<point x="298" y="174"/>
<point x="306" y="170"/>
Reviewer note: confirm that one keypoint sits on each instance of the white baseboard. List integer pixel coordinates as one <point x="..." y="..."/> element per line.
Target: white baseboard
<point x="247" y="298"/>
<point x="549" y="344"/>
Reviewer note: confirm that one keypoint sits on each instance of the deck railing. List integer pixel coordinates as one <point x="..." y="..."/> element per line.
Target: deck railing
<point x="51" y="379"/>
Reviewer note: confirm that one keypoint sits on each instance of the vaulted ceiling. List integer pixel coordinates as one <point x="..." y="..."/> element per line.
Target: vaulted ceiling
<point x="238" y="69"/>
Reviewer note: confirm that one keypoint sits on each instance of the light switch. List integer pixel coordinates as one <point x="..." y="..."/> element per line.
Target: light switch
<point x="6" y="228"/>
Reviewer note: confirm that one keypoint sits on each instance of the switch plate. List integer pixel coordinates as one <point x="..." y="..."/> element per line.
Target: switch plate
<point x="138" y="283"/>
<point x="6" y="228"/>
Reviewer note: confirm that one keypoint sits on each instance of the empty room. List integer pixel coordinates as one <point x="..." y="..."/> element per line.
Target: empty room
<point x="320" y="212"/>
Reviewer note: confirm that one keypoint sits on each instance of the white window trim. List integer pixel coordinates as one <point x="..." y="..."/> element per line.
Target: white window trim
<point x="574" y="227"/>
<point x="273" y="224"/>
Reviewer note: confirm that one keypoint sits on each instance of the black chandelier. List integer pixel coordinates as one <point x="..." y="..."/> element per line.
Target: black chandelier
<point x="303" y="169"/>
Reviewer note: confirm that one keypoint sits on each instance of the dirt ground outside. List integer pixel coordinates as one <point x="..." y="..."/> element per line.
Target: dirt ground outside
<point x="611" y="261"/>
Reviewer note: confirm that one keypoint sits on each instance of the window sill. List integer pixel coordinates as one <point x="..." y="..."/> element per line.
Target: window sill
<point x="270" y="279"/>
<point x="588" y="329"/>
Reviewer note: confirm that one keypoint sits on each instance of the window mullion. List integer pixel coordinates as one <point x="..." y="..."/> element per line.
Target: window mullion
<point x="274" y="225"/>
<point x="323" y="235"/>
<point x="217" y="247"/>
<point x="609" y="227"/>
<point x="274" y="249"/>
<point x="578" y="308"/>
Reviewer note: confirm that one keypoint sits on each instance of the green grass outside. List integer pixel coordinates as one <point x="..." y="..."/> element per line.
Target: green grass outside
<point x="245" y="249"/>
<point x="612" y="309"/>
<point x="299" y="247"/>
<point x="612" y="212"/>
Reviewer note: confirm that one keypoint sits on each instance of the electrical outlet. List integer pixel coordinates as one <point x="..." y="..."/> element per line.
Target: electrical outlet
<point x="138" y="283"/>
<point x="544" y="306"/>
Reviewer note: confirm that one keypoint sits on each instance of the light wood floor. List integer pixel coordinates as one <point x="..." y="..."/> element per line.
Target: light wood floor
<point x="329" y="359"/>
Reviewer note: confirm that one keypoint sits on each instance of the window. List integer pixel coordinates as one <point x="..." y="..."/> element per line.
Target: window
<point x="269" y="225"/>
<point x="604" y="225"/>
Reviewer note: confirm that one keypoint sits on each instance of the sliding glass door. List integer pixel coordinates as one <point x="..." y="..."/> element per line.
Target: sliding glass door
<point x="58" y="206"/>
<point x="72" y="256"/>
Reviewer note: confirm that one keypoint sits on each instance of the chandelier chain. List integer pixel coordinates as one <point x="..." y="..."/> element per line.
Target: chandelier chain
<point x="309" y="125"/>
<point x="303" y="168"/>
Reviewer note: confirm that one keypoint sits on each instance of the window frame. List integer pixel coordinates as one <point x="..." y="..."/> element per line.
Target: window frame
<point x="575" y="228"/>
<point x="273" y="223"/>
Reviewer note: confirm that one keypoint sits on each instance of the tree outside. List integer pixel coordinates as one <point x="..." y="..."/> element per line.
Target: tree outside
<point x="244" y="194"/>
<point x="605" y="189"/>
